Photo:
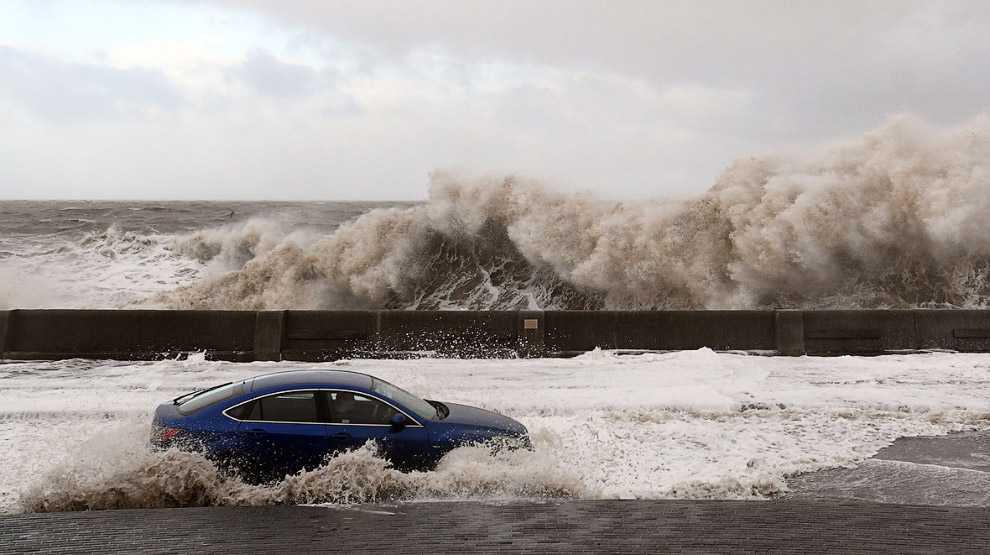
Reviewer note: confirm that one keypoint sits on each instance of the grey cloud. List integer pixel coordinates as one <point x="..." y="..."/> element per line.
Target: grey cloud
<point x="642" y="37"/>
<point x="59" y="92"/>
<point x="267" y="75"/>
<point x="827" y="67"/>
<point x="626" y="97"/>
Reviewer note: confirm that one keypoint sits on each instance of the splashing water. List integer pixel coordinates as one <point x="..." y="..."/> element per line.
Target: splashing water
<point x="896" y="220"/>
<point x="114" y="471"/>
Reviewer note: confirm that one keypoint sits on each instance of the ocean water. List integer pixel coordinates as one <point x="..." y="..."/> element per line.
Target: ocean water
<point x="118" y="254"/>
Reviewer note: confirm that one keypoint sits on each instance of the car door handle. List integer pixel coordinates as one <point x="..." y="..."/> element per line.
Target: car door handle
<point x="341" y="435"/>
<point x="256" y="432"/>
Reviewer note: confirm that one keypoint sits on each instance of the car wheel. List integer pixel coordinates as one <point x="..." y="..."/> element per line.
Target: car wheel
<point x="237" y="465"/>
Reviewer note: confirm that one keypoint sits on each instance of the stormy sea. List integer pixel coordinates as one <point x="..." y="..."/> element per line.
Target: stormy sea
<point x="894" y="220"/>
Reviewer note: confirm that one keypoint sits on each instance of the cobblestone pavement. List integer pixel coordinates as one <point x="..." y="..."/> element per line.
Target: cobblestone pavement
<point x="612" y="526"/>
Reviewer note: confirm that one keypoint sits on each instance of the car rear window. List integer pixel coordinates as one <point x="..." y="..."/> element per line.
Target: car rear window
<point x="208" y="397"/>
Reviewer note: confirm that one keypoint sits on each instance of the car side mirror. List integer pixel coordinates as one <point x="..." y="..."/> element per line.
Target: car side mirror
<point x="399" y="421"/>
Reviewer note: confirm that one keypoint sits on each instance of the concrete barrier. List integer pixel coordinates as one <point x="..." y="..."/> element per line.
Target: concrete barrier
<point x="859" y="331"/>
<point x="789" y="332"/>
<point x="128" y="334"/>
<point x="580" y="331"/>
<point x="530" y="333"/>
<point x="311" y="335"/>
<point x="5" y="317"/>
<point x="269" y="335"/>
<point x="958" y="330"/>
<point x="449" y="332"/>
<point x="316" y="335"/>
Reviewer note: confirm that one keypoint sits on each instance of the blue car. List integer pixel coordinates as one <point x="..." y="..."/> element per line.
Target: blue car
<point x="269" y="426"/>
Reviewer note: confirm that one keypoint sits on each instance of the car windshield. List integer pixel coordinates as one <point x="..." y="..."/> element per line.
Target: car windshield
<point x="405" y="399"/>
<point x="191" y="403"/>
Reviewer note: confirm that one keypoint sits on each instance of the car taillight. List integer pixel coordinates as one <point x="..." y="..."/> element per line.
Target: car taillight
<point x="164" y="434"/>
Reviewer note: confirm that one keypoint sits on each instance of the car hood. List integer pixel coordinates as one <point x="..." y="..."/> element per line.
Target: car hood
<point x="472" y="416"/>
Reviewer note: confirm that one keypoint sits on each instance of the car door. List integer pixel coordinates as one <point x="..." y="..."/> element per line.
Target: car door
<point x="357" y="417"/>
<point x="283" y="433"/>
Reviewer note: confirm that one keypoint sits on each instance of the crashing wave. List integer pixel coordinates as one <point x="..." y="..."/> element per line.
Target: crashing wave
<point x="895" y="220"/>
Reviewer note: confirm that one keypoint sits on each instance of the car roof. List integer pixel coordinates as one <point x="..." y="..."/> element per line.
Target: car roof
<point x="310" y="378"/>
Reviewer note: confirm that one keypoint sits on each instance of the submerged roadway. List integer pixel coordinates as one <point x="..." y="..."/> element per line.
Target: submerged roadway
<point x="920" y="495"/>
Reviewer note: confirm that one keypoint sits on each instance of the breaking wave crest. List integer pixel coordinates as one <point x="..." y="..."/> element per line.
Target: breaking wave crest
<point x="895" y="220"/>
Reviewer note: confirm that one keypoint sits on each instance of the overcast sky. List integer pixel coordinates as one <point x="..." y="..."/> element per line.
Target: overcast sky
<point x="320" y="99"/>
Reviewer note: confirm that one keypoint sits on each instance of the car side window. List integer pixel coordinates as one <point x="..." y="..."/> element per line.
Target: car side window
<point x="293" y="406"/>
<point x="245" y="411"/>
<point x="347" y="407"/>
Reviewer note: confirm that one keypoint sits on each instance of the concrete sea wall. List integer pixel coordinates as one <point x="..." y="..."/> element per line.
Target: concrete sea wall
<point x="309" y="335"/>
